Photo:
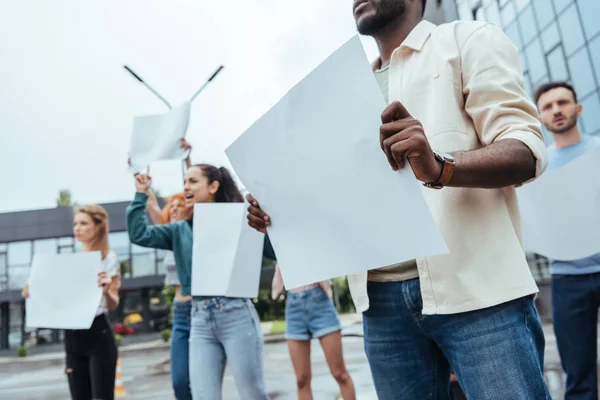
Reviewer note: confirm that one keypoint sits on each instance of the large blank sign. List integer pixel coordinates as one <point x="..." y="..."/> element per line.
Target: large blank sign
<point x="560" y="211"/>
<point x="315" y="164"/>
<point x="63" y="290"/>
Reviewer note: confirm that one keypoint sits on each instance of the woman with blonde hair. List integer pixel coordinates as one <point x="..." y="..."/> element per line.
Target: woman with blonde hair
<point x="91" y="354"/>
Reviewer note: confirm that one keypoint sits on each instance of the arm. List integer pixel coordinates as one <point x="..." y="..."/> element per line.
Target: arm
<point x="143" y="234"/>
<point x="112" y="293"/>
<point x="153" y="208"/>
<point x="277" y="284"/>
<point x="505" y="119"/>
<point x="504" y="163"/>
<point x="110" y="281"/>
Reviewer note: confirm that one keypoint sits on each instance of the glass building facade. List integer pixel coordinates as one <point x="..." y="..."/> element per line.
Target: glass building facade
<point x="557" y="40"/>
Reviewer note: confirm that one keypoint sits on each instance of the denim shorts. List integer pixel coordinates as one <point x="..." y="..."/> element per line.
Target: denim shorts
<point x="310" y="315"/>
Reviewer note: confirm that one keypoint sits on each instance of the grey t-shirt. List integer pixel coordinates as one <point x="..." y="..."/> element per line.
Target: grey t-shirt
<point x="408" y="269"/>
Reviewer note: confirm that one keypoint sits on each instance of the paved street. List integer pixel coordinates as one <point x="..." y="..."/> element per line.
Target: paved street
<point x="141" y="382"/>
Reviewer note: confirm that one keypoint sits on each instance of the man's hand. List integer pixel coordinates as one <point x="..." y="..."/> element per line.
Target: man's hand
<point x="402" y="137"/>
<point x="257" y="218"/>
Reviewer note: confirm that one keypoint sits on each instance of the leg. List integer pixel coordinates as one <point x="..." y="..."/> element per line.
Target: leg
<point x="241" y="335"/>
<point x="497" y="353"/>
<point x="300" y="355"/>
<point x="180" y="344"/>
<point x="78" y="373"/>
<point x="574" y="316"/>
<point x="103" y="364"/>
<point x="206" y="356"/>
<point x="405" y="363"/>
<point x="332" y="347"/>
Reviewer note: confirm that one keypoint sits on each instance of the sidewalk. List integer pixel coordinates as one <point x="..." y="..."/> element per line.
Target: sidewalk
<point x="54" y="354"/>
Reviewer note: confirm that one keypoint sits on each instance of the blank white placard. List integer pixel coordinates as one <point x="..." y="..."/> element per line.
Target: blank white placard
<point x="560" y="211"/>
<point x="227" y="253"/>
<point x="157" y="137"/>
<point x="337" y="206"/>
<point x="63" y="290"/>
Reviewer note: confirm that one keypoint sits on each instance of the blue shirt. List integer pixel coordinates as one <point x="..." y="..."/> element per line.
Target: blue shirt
<point x="558" y="158"/>
<point x="177" y="237"/>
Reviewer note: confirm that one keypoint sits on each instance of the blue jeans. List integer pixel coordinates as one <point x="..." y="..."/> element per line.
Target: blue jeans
<point x="226" y="330"/>
<point x="180" y="339"/>
<point x="310" y="314"/>
<point x="575" y="301"/>
<point x="496" y="353"/>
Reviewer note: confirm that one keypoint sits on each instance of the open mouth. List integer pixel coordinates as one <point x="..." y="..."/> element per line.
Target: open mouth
<point x="188" y="196"/>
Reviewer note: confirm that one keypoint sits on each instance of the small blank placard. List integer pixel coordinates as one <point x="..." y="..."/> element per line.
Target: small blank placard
<point x="63" y="290"/>
<point x="227" y="254"/>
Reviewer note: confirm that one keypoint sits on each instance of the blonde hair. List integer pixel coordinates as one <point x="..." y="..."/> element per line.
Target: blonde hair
<point x="100" y="218"/>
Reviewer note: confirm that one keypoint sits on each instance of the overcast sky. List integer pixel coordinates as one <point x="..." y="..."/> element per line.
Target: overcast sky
<point x="67" y="105"/>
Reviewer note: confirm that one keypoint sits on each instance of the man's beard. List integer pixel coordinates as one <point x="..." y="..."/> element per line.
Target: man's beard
<point x="571" y="123"/>
<point x="387" y="12"/>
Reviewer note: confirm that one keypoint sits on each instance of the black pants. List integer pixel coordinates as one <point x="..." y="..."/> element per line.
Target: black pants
<point x="91" y="361"/>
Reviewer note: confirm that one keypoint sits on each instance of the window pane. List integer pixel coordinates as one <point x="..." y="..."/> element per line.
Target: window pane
<point x="581" y="73"/>
<point x="19" y="253"/>
<point x="590" y="10"/>
<point x="46" y="246"/>
<point x="66" y="241"/>
<point x="493" y="14"/>
<point x="2" y="246"/>
<point x="119" y="243"/>
<point x="17" y="276"/>
<point x="557" y="64"/>
<point x="513" y="33"/>
<point x="543" y="12"/>
<point x="143" y="261"/>
<point x="15" y="321"/>
<point x="527" y="23"/>
<point x="550" y="37"/>
<point x="535" y="58"/>
<point x="508" y="13"/>
<point x="595" y="51"/>
<point x="570" y="27"/>
<point x="521" y="4"/>
<point x="591" y="113"/>
<point x="561" y="4"/>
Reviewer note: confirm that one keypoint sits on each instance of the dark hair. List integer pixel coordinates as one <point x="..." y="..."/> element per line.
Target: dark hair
<point x="228" y="191"/>
<point x="546" y="87"/>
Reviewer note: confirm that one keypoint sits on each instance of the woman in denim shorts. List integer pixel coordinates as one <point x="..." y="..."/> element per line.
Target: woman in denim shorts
<point x="310" y="314"/>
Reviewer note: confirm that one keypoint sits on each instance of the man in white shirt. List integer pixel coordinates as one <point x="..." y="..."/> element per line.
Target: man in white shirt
<point x="459" y="115"/>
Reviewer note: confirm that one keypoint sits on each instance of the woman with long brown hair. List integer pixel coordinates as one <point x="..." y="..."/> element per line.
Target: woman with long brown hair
<point x="92" y="353"/>
<point x="224" y="330"/>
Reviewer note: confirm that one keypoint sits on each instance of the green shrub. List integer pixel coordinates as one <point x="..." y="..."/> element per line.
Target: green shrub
<point x="165" y="334"/>
<point x="119" y="339"/>
<point x="22" y="351"/>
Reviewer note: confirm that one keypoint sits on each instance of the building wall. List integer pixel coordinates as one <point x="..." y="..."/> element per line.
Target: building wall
<point x="557" y="40"/>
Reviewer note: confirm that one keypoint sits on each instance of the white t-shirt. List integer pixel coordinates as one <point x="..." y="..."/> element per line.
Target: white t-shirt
<point x="171" y="278"/>
<point x="110" y="265"/>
